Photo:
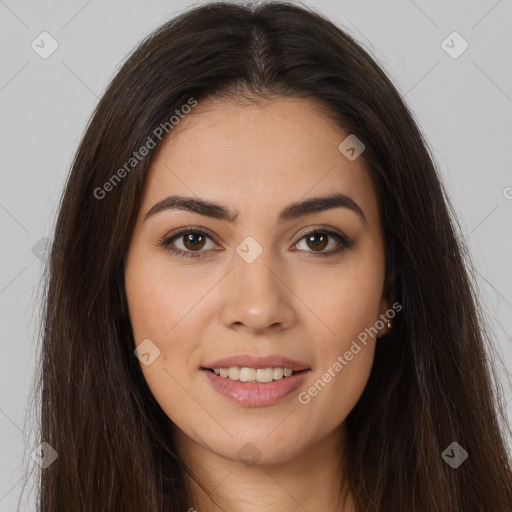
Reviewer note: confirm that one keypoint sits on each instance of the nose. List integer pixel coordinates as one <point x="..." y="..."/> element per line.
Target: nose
<point x="257" y="298"/>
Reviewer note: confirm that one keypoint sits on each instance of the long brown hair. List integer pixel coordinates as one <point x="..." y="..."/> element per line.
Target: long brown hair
<point x="432" y="383"/>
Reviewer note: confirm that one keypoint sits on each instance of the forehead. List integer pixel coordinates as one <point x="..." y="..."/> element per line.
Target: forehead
<point x="261" y="156"/>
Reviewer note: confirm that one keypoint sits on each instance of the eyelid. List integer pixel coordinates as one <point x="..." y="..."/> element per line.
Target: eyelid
<point x="323" y="229"/>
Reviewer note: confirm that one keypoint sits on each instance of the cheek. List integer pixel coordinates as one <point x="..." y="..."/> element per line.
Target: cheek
<point x="166" y="308"/>
<point x="345" y="362"/>
<point x="346" y="347"/>
<point x="160" y="299"/>
<point x="155" y="311"/>
<point x="337" y="387"/>
<point x="346" y="302"/>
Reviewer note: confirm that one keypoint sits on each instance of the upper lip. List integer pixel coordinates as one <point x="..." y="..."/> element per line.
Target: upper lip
<point x="248" y="361"/>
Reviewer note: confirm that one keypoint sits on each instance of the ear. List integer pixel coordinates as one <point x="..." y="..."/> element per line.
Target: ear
<point x="383" y="321"/>
<point x="385" y="304"/>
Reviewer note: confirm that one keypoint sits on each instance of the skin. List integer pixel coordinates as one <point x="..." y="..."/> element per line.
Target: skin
<point x="258" y="159"/>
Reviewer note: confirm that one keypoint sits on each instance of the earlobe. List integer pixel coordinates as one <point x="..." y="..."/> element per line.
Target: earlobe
<point x="384" y="323"/>
<point x="388" y="328"/>
<point x="386" y="301"/>
<point x="385" y="332"/>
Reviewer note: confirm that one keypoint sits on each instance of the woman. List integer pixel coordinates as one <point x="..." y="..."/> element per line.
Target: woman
<point x="256" y="295"/>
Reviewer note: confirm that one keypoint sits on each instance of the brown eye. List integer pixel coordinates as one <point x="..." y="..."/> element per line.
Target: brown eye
<point x="317" y="240"/>
<point x="188" y="243"/>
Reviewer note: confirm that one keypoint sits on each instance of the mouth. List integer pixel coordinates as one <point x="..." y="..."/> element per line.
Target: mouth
<point x="255" y="387"/>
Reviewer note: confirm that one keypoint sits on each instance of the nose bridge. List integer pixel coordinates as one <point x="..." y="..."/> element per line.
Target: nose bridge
<point x="258" y="298"/>
<point x="254" y="267"/>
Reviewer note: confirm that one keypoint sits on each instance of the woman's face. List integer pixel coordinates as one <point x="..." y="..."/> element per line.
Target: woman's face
<point x="254" y="282"/>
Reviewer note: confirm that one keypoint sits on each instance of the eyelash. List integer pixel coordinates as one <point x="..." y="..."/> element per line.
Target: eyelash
<point x="343" y="240"/>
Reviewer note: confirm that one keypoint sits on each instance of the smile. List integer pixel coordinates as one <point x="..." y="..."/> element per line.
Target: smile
<point x="253" y="392"/>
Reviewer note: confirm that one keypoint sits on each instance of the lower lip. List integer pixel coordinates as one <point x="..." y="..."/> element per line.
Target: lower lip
<point x="254" y="394"/>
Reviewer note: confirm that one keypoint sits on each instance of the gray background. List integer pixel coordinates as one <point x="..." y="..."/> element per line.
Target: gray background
<point x="463" y="107"/>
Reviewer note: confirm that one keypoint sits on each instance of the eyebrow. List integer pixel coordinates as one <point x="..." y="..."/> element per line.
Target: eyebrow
<point x="291" y="212"/>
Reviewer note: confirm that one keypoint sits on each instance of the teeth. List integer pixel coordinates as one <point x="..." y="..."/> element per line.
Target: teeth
<point x="245" y="374"/>
<point x="234" y="373"/>
<point x="265" y="374"/>
<point x="278" y="373"/>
